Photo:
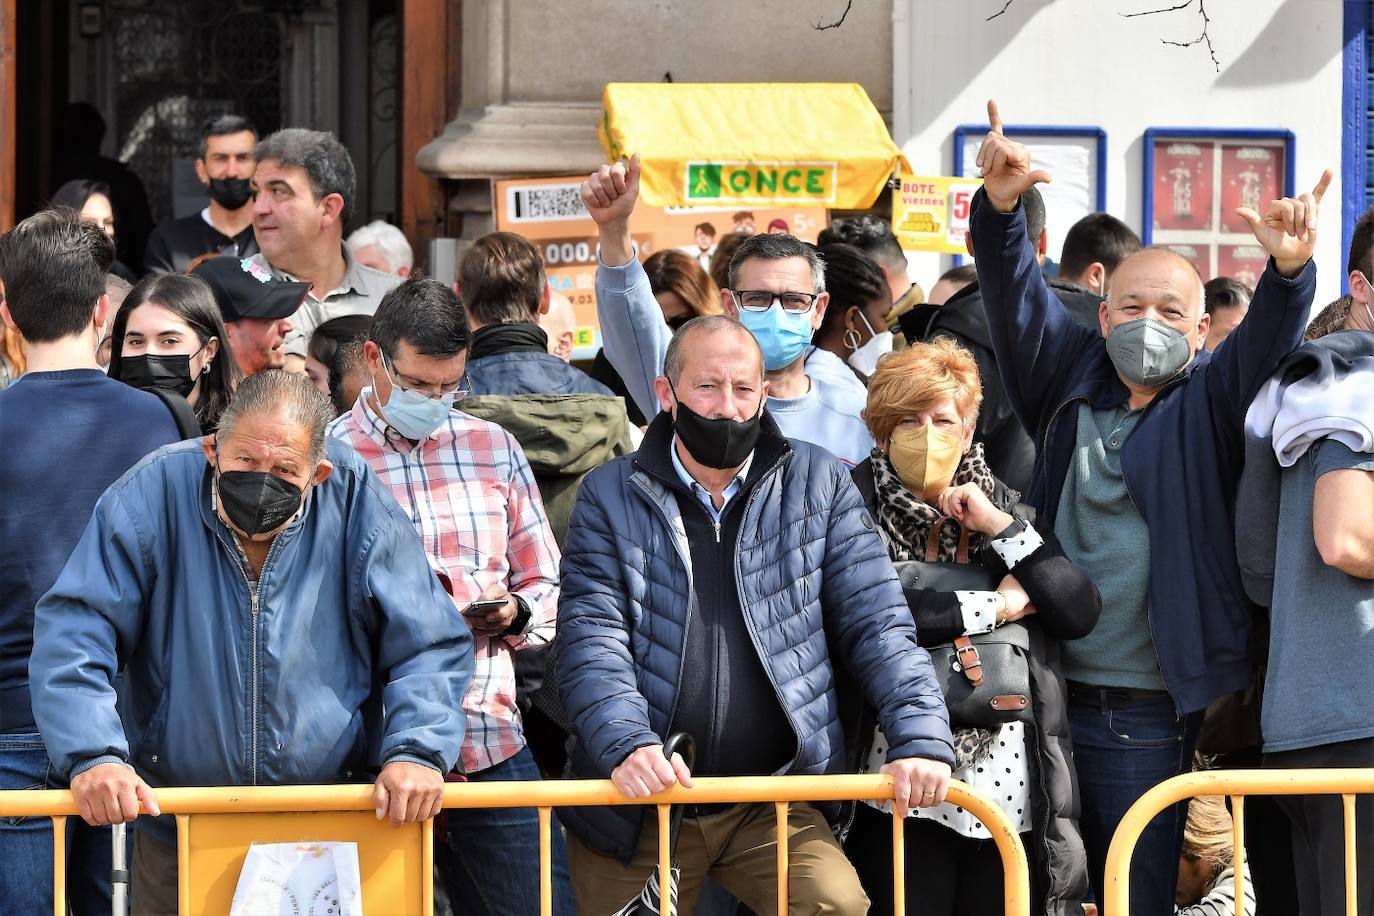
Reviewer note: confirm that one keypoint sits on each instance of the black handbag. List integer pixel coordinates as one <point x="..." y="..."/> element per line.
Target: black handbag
<point x="985" y="678"/>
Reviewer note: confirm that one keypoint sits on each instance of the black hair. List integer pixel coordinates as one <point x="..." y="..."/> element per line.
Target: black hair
<point x="222" y="126"/>
<point x="853" y="279"/>
<point x="870" y="235"/>
<point x="1361" y="256"/>
<point x="1097" y="238"/>
<point x="53" y="268"/>
<point x="74" y="194"/>
<point x="1224" y="293"/>
<point x="345" y="359"/>
<point x="190" y="299"/>
<point x="326" y="339"/>
<point x="424" y="313"/>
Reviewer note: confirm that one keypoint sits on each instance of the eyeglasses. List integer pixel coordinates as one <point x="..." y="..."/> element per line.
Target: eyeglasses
<point x="761" y="300"/>
<point x="461" y="389"/>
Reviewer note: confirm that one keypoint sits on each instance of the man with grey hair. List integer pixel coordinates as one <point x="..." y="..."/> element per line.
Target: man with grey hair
<point x="383" y="247"/>
<point x="777" y="291"/>
<point x="276" y="622"/>
<point x="722" y="542"/>
<point x="305" y="187"/>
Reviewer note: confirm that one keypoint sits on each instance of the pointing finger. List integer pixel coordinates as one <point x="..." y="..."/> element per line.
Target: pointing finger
<point x="1322" y="184"/>
<point x="994" y="119"/>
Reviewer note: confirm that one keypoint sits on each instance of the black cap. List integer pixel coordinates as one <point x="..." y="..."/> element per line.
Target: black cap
<point x="245" y="289"/>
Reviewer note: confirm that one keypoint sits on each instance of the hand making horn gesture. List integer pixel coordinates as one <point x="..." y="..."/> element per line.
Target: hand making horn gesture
<point x="1288" y="229"/>
<point x="1006" y="166"/>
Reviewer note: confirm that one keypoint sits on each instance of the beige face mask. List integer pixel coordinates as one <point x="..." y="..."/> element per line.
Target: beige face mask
<point x="925" y="458"/>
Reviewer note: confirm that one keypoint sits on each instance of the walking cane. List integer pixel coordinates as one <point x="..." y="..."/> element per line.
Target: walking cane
<point x="119" y="875"/>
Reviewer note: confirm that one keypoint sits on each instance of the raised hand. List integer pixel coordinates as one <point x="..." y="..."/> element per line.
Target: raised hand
<point x="609" y="194"/>
<point x="1006" y="166"/>
<point x="1288" y="229"/>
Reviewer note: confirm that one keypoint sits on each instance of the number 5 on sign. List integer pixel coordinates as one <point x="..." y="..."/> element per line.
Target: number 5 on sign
<point x="932" y="214"/>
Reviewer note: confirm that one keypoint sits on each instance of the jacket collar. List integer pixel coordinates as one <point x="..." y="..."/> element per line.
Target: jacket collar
<point x="654" y="457"/>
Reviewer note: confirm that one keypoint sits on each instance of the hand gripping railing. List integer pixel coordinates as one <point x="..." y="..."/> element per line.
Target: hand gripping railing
<point x="544" y="796"/>
<point x="1237" y="784"/>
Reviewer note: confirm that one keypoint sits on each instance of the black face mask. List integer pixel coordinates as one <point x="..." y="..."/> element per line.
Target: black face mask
<point x="257" y="502"/>
<point x="231" y="193"/>
<point x="721" y="443"/>
<point x="148" y="371"/>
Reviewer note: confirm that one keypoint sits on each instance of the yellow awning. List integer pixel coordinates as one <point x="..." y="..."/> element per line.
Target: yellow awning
<point x="740" y="144"/>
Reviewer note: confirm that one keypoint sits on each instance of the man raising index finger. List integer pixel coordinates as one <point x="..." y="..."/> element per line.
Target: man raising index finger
<point x="1114" y="412"/>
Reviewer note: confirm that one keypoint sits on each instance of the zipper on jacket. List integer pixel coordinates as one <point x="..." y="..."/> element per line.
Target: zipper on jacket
<point x="684" y="551"/>
<point x="254" y="597"/>
<point x="744" y="608"/>
<point x="1149" y="617"/>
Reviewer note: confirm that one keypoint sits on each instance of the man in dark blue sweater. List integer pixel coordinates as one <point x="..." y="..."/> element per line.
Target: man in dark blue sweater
<point x="1139" y="435"/>
<point x="67" y="432"/>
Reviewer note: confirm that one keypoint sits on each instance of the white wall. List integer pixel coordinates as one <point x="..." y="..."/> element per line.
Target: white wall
<point x="1079" y="62"/>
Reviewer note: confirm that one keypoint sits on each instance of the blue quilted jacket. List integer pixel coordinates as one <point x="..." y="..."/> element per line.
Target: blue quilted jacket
<point x="818" y="591"/>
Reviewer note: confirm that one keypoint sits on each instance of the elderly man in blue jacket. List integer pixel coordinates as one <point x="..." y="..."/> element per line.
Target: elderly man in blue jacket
<point x="713" y="582"/>
<point x="268" y="605"/>
<point x="1139" y="432"/>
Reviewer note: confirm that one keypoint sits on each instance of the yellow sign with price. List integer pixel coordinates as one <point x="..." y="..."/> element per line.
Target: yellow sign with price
<point x="931" y="214"/>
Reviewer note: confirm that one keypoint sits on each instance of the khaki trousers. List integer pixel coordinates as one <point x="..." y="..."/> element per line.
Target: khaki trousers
<point x="738" y="848"/>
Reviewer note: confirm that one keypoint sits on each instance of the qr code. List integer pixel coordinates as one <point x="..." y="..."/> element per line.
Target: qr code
<point x="545" y="202"/>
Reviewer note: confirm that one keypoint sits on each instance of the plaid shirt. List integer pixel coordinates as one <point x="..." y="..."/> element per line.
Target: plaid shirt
<point x="475" y="505"/>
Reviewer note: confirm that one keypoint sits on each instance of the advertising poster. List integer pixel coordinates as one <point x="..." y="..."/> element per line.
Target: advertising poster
<point x="932" y="213"/>
<point x="1250" y="177"/>
<point x="1200" y="255"/>
<point x="549" y="212"/>
<point x="1183" y="185"/>
<point x="1243" y="263"/>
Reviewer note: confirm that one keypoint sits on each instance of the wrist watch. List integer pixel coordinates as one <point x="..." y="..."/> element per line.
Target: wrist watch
<point x="521" y="619"/>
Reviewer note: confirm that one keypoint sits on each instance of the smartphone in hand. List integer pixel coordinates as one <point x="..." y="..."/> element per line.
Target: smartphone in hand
<point x="484" y="606"/>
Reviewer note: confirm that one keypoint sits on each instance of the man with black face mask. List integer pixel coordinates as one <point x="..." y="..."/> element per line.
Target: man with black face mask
<point x="225" y="167"/>
<point x="276" y="621"/>
<point x="706" y="579"/>
<point x="1140" y="444"/>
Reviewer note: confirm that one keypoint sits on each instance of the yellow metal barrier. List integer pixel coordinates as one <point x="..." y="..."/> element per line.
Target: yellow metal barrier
<point x="1237" y="784"/>
<point x="397" y="863"/>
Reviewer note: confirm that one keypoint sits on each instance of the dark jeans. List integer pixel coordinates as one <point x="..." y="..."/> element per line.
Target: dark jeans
<point x="26" y="842"/>
<point x="1119" y="754"/>
<point x="492" y="866"/>
<point x="947" y="873"/>
<point x="1319" y="830"/>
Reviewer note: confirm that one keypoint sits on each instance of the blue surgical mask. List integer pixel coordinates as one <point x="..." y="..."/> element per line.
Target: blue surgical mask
<point x="412" y="414"/>
<point x="782" y="335"/>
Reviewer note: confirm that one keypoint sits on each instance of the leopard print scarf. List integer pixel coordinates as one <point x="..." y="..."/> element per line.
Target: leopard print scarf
<point x="907" y="521"/>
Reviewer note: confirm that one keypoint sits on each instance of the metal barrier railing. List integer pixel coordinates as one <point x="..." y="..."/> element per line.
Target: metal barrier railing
<point x="1236" y="784"/>
<point x="544" y="796"/>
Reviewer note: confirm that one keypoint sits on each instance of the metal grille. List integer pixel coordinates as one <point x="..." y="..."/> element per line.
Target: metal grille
<point x="176" y="63"/>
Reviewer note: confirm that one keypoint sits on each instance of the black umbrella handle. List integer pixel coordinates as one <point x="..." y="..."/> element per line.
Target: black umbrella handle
<point x="679" y="743"/>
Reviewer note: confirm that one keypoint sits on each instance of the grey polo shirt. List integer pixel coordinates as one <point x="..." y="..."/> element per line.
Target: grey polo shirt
<point x="359" y="293"/>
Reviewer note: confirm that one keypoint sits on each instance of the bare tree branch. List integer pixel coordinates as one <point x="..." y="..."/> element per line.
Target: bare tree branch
<point x="999" y="12"/>
<point x="820" y="27"/>
<point x="1204" y="38"/>
<point x="1167" y="9"/>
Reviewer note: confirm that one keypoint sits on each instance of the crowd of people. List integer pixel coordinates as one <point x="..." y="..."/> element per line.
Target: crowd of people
<point x="283" y="510"/>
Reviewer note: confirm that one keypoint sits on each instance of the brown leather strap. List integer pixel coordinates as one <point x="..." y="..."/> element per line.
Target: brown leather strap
<point x="969" y="661"/>
<point x="1009" y="702"/>
<point x="933" y="541"/>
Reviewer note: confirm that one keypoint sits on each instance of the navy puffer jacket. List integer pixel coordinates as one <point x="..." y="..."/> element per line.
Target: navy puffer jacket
<point x="812" y="573"/>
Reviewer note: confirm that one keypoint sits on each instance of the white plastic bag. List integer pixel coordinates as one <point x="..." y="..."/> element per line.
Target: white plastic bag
<point x="299" y="879"/>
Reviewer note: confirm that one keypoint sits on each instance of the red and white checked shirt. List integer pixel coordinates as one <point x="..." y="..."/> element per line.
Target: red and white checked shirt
<point x="476" y="507"/>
